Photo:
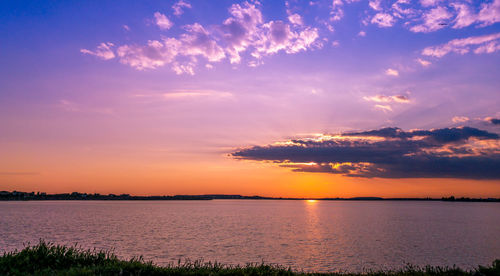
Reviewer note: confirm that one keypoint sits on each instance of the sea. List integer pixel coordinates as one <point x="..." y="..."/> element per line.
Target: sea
<point x="302" y="234"/>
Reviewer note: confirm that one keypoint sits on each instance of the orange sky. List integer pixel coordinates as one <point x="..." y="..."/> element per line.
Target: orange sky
<point x="149" y="100"/>
<point x="215" y="175"/>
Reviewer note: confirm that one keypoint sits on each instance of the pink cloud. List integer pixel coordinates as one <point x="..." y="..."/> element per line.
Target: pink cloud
<point x="428" y="3"/>
<point x="103" y="51"/>
<point x="154" y="54"/>
<point x="375" y="4"/>
<point x="460" y="119"/>
<point x="179" y="7"/>
<point x="465" y="16"/>
<point x="392" y="72"/>
<point x="243" y="31"/>
<point x="336" y="13"/>
<point x="383" y="20"/>
<point x="423" y="62"/>
<point x="383" y="102"/>
<point x="197" y="41"/>
<point x="481" y="44"/>
<point x="489" y="13"/>
<point x="434" y="20"/>
<point x="488" y="48"/>
<point x="162" y="21"/>
<point x="384" y="108"/>
<point x="388" y="99"/>
<point x="295" y="19"/>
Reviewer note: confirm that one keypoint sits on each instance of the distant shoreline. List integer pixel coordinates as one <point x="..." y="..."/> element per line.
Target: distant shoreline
<point x="31" y="196"/>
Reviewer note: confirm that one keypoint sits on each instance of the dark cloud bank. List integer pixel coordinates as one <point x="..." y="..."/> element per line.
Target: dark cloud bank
<point x="463" y="152"/>
<point x="495" y="121"/>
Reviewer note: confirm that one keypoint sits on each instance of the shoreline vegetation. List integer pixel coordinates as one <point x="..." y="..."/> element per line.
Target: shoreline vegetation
<point x="50" y="259"/>
<point x="24" y="196"/>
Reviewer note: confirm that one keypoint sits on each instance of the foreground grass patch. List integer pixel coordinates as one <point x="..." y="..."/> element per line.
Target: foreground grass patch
<point x="49" y="259"/>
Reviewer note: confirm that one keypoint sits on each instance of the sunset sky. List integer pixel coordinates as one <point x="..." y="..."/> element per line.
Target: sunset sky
<point x="297" y="98"/>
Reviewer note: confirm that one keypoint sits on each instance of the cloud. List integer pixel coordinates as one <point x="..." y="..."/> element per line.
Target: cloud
<point x="489" y="13"/>
<point x="383" y="20"/>
<point x="245" y="30"/>
<point x="488" y="48"/>
<point x="183" y="94"/>
<point x="460" y="119"/>
<point x="362" y="33"/>
<point x="336" y="12"/>
<point x="383" y="107"/>
<point x="162" y="21"/>
<point x="392" y="72"/>
<point x="462" y="152"/>
<point x="423" y="62"/>
<point x="479" y="44"/>
<point x="197" y="41"/>
<point x="241" y="29"/>
<point x="126" y="28"/>
<point x="434" y="20"/>
<point x="150" y="56"/>
<point x="103" y="51"/>
<point x="427" y="3"/>
<point x="465" y="15"/>
<point x="494" y="121"/>
<point x="179" y="7"/>
<point x="295" y="19"/>
<point x="375" y="4"/>
<point x="387" y="99"/>
<point x="383" y="102"/>
<point x="430" y="15"/>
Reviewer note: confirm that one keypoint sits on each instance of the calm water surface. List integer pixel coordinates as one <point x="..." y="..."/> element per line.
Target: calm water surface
<point x="319" y="236"/>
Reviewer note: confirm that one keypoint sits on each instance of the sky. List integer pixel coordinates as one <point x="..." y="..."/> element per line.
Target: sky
<point x="337" y="98"/>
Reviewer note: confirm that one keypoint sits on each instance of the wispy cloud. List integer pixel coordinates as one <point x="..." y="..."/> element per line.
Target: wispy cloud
<point x="460" y="119"/>
<point x="70" y="106"/>
<point x="383" y="20"/>
<point x="197" y="94"/>
<point x="477" y="44"/>
<point x="103" y="51"/>
<point x="179" y="7"/>
<point x="434" y="15"/>
<point x="423" y="62"/>
<point x="186" y="94"/>
<point x="433" y="20"/>
<point x="384" y="103"/>
<point x="387" y="99"/>
<point x="295" y="19"/>
<point x="392" y="72"/>
<point x="383" y="107"/>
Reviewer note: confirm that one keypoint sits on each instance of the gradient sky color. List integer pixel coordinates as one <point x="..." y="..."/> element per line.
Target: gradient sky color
<point x="157" y="97"/>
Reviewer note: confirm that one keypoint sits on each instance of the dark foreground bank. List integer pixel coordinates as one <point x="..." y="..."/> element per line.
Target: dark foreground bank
<point x="49" y="259"/>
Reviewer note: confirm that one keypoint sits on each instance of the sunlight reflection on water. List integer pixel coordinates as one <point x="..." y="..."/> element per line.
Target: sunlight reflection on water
<point x="309" y="235"/>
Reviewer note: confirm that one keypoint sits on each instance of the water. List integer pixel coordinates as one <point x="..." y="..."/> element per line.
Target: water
<point x="314" y="236"/>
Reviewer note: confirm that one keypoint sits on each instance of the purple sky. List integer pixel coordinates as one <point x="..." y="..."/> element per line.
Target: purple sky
<point x="93" y="90"/>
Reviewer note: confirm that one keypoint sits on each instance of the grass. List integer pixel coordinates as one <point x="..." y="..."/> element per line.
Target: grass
<point x="49" y="259"/>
